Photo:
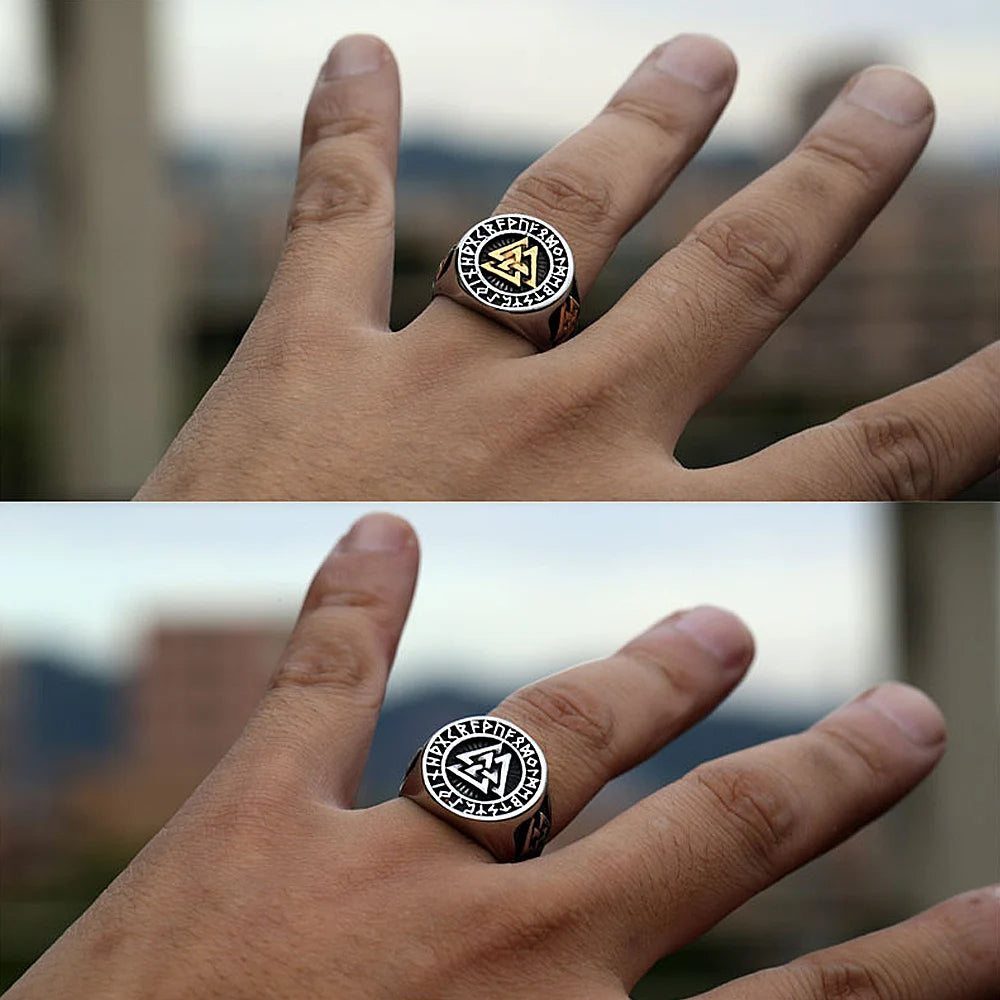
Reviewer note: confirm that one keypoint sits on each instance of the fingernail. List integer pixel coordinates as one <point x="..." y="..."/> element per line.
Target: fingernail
<point x="354" y="55"/>
<point x="720" y="633"/>
<point x="377" y="533"/>
<point x="696" y="59"/>
<point x="918" y="718"/>
<point x="891" y="93"/>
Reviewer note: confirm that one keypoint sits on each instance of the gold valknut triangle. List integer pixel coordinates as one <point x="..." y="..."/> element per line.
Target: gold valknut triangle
<point x="515" y="260"/>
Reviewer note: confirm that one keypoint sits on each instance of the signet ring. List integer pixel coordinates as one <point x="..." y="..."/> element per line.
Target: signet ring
<point x="518" y="270"/>
<point x="488" y="778"/>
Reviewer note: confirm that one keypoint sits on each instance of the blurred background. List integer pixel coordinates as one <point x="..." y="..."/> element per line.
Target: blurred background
<point x="147" y="154"/>
<point x="137" y="639"/>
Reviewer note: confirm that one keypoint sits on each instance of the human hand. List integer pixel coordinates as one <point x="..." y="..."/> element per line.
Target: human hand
<point x="321" y="401"/>
<point x="266" y="884"/>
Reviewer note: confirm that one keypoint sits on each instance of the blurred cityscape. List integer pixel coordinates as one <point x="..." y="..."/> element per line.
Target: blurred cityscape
<point x="117" y="311"/>
<point x="93" y="766"/>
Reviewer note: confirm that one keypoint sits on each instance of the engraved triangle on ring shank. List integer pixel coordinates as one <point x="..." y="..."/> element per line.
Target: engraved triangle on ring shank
<point x="484" y="769"/>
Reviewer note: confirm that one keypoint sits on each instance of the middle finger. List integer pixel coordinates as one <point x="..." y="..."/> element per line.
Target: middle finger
<point x="598" y="183"/>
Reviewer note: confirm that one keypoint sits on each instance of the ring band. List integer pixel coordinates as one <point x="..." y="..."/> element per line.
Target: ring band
<point x="518" y="270"/>
<point x="489" y="779"/>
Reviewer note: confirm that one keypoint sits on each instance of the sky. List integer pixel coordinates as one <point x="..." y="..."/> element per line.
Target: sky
<point x="511" y="591"/>
<point x="525" y="71"/>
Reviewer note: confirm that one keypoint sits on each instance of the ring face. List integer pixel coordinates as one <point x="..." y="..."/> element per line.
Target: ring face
<point x="484" y="768"/>
<point x="514" y="263"/>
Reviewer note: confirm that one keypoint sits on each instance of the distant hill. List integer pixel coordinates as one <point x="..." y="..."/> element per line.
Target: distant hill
<point x="422" y="161"/>
<point x="64" y="720"/>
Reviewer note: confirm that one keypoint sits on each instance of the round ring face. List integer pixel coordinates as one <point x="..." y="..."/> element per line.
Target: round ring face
<point x="484" y="768"/>
<point x="514" y="263"/>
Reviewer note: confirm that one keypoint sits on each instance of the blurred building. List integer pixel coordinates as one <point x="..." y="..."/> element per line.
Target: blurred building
<point x="195" y="688"/>
<point x="162" y="313"/>
<point x="193" y="691"/>
<point x="58" y="725"/>
<point x="110" y="761"/>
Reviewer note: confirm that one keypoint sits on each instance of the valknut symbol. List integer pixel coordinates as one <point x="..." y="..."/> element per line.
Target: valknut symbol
<point x="484" y="768"/>
<point x="515" y="261"/>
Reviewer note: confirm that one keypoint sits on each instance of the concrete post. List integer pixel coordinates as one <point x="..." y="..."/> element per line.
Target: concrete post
<point x="112" y="411"/>
<point x="949" y="613"/>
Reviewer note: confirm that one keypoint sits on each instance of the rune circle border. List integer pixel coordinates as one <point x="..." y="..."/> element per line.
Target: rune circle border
<point x="531" y="804"/>
<point x="554" y="299"/>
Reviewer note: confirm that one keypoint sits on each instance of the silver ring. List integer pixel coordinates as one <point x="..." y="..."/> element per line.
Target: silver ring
<point x="518" y="270"/>
<point x="489" y="779"/>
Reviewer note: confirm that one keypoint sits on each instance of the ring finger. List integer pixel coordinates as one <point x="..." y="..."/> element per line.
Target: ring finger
<point x="598" y="183"/>
<point x="600" y="719"/>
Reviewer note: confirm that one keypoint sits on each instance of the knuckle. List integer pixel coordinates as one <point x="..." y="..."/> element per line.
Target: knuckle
<point x="835" y="750"/>
<point x="331" y="114"/>
<point x="901" y="453"/>
<point x="839" y="979"/>
<point x="965" y="954"/>
<point x="327" y="590"/>
<point x="826" y="152"/>
<point x="330" y="648"/>
<point x="752" y="804"/>
<point x="567" y="710"/>
<point x="551" y="191"/>
<point x="684" y="683"/>
<point x="969" y="929"/>
<point x="664" y="118"/>
<point x="324" y="127"/>
<point x="754" y="249"/>
<point x="335" y="186"/>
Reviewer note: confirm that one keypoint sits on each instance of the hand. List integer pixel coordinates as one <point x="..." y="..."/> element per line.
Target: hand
<point x="321" y="401"/>
<point x="267" y="885"/>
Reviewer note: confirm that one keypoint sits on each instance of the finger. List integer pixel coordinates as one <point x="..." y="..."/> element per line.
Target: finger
<point x="324" y="699"/>
<point x="595" y="721"/>
<point x="337" y="262"/>
<point x="598" y="183"/>
<point x="927" y="442"/>
<point x="695" y="318"/>
<point x="951" y="951"/>
<point x="686" y="856"/>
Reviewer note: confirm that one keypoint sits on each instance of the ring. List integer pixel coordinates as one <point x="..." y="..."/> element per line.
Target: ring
<point x="517" y="270"/>
<point x="488" y="778"/>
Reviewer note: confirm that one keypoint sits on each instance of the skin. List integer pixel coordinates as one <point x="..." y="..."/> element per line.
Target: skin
<point x="267" y="885"/>
<point x="323" y="401"/>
